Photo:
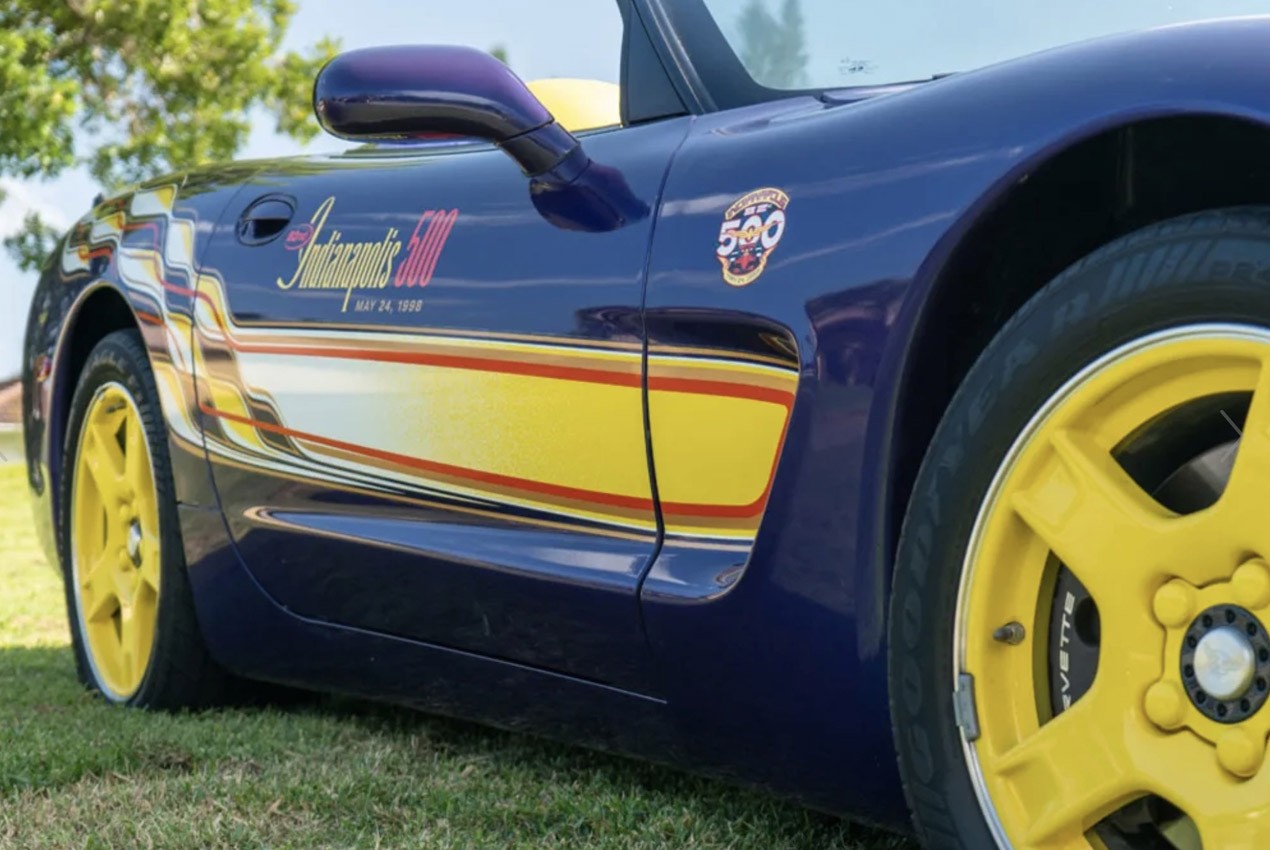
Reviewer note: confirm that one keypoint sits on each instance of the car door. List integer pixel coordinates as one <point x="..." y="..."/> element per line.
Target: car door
<point x="423" y="401"/>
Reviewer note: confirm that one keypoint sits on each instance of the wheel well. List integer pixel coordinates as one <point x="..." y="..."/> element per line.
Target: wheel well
<point x="103" y="311"/>
<point x="1085" y="197"/>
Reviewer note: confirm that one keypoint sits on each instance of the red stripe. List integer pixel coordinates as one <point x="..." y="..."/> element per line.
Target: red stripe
<point x="143" y="225"/>
<point x="684" y="509"/>
<point x="700" y="386"/>
<point x="632" y="502"/>
<point x="564" y="373"/>
<point x="685" y="385"/>
<point x="694" y="386"/>
<point x="453" y="361"/>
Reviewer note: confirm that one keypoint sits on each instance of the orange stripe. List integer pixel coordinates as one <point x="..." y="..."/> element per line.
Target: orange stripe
<point x="693" y="386"/>
<point x="557" y="490"/>
<point x="685" y="385"/>
<point x="144" y="225"/>
<point x="450" y="361"/>
<point x="565" y="373"/>
<point x="634" y="502"/>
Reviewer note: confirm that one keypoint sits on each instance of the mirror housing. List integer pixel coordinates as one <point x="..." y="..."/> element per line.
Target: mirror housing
<point x="420" y="92"/>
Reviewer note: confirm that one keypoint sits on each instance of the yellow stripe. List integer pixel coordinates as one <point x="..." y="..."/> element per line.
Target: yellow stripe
<point x="713" y="450"/>
<point x="567" y="433"/>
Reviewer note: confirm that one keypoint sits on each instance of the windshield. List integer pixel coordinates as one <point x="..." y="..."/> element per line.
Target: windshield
<point x="826" y="44"/>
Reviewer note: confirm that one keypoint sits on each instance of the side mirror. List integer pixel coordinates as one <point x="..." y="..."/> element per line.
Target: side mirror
<point x="419" y="92"/>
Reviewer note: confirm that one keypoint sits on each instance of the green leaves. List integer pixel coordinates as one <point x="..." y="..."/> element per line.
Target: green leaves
<point x="30" y="245"/>
<point x="134" y="88"/>
<point x="36" y="105"/>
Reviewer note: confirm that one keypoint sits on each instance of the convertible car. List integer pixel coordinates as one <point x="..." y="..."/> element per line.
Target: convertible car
<point x="886" y="429"/>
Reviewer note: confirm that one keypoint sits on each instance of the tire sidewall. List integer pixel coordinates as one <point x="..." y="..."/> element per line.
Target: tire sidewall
<point x="1206" y="269"/>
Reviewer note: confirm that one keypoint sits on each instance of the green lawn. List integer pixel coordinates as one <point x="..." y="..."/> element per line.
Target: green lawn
<point x="10" y="444"/>
<point x="76" y="773"/>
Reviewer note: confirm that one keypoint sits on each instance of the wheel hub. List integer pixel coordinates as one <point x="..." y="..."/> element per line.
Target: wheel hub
<point x="1222" y="663"/>
<point x="1221" y="679"/>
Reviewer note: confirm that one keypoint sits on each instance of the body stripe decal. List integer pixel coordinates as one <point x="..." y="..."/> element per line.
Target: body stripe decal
<point x="571" y="449"/>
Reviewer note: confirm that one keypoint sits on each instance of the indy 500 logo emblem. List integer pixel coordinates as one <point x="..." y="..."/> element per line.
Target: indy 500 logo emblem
<point x="752" y="228"/>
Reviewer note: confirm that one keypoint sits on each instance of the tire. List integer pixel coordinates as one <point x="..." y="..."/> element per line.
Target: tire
<point x="170" y="669"/>
<point x="1201" y="283"/>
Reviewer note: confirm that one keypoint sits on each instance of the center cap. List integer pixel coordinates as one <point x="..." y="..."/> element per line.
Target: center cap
<point x="1225" y="663"/>
<point x="134" y="543"/>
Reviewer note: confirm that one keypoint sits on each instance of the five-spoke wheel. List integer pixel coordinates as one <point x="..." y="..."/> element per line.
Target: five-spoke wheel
<point x="134" y="629"/>
<point x="1080" y="654"/>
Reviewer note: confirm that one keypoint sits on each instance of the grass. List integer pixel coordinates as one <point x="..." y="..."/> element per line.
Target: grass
<point x="77" y="773"/>
<point x="10" y="444"/>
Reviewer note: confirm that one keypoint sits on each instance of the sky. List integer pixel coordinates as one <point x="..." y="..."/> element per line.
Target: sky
<point x="848" y="42"/>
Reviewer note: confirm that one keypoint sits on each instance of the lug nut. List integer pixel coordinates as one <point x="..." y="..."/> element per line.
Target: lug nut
<point x="1251" y="584"/>
<point x="1174" y="604"/>
<point x="1166" y="705"/>
<point x="1240" y="753"/>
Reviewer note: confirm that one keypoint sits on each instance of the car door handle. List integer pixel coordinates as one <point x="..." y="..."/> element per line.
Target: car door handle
<point x="265" y="219"/>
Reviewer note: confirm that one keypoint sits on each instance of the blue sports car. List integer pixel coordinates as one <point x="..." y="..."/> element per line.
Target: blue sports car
<point x="840" y="404"/>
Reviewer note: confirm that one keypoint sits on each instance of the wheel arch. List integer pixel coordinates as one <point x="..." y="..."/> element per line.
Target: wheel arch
<point x="100" y="309"/>
<point x="1043" y="217"/>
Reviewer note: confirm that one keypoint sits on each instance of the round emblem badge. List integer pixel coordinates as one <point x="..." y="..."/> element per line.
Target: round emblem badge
<point x="752" y="228"/>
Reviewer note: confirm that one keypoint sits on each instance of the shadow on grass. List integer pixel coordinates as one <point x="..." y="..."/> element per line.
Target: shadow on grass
<point x="483" y="782"/>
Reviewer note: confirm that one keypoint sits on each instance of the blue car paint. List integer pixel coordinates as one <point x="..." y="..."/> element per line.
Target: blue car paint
<point x="770" y="671"/>
<point x="558" y="599"/>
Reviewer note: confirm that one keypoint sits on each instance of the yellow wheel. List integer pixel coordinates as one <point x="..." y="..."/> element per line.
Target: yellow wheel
<point x="115" y="546"/>
<point x="1080" y="653"/>
<point x="133" y="625"/>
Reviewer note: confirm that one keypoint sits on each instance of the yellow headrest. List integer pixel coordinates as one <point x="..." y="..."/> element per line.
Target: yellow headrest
<point x="580" y="104"/>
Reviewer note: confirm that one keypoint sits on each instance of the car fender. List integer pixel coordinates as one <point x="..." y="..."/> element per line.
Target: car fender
<point x="1212" y="71"/>
<point x="882" y="191"/>
<point x="114" y="270"/>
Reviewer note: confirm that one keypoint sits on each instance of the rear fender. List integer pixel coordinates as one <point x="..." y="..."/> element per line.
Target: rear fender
<point x="130" y="263"/>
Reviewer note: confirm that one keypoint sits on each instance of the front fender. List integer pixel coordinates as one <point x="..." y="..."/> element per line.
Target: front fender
<point x="881" y="192"/>
<point x="1004" y="124"/>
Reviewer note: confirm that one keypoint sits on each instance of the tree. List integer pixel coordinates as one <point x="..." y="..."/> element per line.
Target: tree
<point x="774" y="51"/>
<point x="132" y="88"/>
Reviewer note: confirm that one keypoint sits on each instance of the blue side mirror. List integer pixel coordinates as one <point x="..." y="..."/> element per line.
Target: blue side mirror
<point x="424" y="92"/>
